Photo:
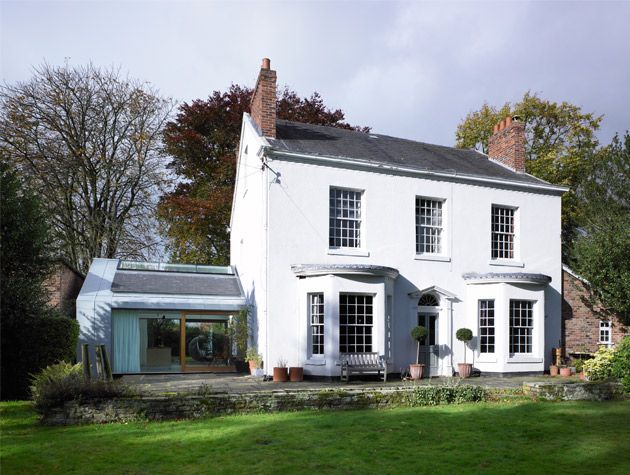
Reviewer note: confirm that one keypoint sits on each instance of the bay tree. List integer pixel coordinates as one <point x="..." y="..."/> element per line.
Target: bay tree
<point x="89" y="139"/>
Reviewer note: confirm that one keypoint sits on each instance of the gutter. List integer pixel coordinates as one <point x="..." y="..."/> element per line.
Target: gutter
<point x="379" y="167"/>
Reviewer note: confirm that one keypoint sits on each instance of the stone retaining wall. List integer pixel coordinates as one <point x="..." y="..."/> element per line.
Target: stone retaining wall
<point x="194" y="406"/>
<point x="588" y="391"/>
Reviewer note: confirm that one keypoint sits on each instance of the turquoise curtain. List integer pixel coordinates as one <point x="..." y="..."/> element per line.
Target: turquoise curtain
<point x="126" y="341"/>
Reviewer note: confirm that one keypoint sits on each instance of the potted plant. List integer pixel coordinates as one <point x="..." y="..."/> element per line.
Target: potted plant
<point x="464" y="335"/>
<point x="553" y="370"/>
<point x="280" y="374"/>
<point x="254" y="359"/>
<point x="418" y="333"/>
<point x="296" y="373"/>
<point x="565" y="371"/>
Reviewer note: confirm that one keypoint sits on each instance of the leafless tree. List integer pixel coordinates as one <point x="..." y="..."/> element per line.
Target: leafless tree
<point x="89" y="139"/>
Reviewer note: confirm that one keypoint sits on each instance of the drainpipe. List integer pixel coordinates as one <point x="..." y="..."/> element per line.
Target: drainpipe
<point x="263" y="158"/>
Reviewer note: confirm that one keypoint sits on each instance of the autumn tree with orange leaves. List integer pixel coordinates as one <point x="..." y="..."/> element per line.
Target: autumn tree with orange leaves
<point x="202" y="142"/>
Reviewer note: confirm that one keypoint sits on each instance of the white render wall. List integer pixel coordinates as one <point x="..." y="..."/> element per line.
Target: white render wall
<point x="298" y="201"/>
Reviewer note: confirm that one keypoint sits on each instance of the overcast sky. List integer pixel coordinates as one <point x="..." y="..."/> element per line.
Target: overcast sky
<point x="408" y="69"/>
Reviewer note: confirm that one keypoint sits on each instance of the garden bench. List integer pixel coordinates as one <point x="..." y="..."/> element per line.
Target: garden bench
<point x="360" y="363"/>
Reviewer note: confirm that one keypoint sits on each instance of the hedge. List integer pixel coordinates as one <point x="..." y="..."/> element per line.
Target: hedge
<point x="31" y="344"/>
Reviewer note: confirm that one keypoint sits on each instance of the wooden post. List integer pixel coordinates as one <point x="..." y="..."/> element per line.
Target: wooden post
<point x="107" y="369"/>
<point x="85" y="359"/>
<point x="100" y="372"/>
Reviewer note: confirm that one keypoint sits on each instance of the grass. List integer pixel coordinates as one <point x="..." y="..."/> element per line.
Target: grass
<point x="508" y="437"/>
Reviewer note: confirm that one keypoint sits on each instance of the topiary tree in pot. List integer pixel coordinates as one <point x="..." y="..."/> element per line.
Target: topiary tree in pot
<point x="418" y="333"/>
<point x="464" y="335"/>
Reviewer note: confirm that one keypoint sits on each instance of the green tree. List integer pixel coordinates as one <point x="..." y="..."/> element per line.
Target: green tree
<point x="560" y="140"/>
<point x="24" y="246"/>
<point x="33" y="336"/>
<point x="202" y="142"/>
<point x="602" y="251"/>
<point x="89" y="139"/>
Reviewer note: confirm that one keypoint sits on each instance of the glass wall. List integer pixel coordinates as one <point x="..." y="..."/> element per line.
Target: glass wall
<point x="159" y="344"/>
<point x="170" y="342"/>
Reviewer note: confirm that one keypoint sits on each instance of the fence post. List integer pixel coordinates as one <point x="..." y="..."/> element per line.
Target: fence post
<point x="85" y="359"/>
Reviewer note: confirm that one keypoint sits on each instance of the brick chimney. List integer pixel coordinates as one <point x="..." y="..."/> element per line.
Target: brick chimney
<point x="507" y="144"/>
<point x="263" y="104"/>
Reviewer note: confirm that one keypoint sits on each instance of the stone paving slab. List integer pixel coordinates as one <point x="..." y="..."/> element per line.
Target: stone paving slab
<point x="233" y="383"/>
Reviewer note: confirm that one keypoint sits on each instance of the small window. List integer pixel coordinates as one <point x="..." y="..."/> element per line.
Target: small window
<point x="316" y="316"/>
<point x="344" y="218"/>
<point x="605" y="334"/>
<point x="428" y="300"/>
<point x="521" y="326"/>
<point x="428" y="226"/>
<point x="503" y="232"/>
<point x="486" y="326"/>
<point x="355" y="323"/>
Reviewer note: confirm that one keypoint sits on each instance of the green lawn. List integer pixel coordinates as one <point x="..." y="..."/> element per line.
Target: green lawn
<point x="508" y="437"/>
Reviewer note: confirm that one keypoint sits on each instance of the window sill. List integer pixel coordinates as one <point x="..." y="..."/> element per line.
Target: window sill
<point x="315" y="362"/>
<point x="349" y="252"/>
<point x="524" y="359"/>
<point x="505" y="263"/>
<point x="432" y="257"/>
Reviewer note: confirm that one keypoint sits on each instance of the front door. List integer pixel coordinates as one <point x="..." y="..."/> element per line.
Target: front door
<point x="429" y="351"/>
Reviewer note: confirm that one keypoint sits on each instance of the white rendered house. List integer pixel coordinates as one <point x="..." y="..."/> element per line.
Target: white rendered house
<point x="344" y="241"/>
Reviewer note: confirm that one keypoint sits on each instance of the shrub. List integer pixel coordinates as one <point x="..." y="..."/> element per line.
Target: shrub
<point x="31" y="344"/>
<point x="62" y="382"/>
<point x="621" y="363"/>
<point x="446" y="394"/>
<point x="464" y="334"/>
<point x="254" y="356"/>
<point x="578" y="364"/>
<point x="600" y="367"/>
<point x="419" y="333"/>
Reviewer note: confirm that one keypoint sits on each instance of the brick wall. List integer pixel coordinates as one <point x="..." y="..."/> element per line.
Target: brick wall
<point x="63" y="286"/>
<point x="263" y="105"/>
<point x="507" y="144"/>
<point x="581" y="321"/>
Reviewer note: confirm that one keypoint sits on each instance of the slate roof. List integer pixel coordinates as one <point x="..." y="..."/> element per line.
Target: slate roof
<point x="325" y="141"/>
<point x="176" y="283"/>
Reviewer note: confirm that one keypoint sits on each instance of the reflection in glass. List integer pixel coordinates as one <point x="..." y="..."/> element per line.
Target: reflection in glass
<point x="159" y="344"/>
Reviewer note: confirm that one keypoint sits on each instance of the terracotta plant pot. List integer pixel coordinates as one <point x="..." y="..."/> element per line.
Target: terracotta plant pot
<point x="252" y="367"/>
<point x="565" y="372"/>
<point x="553" y="370"/>
<point x="582" y="376"/>
<point x="296" y="373"/>
<point x="416" y="371"/>
<point x="464" y="369"/>
<point x="280" y="375"/>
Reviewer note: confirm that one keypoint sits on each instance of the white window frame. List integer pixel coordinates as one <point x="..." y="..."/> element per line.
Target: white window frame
<point x="316" y="309"/>
<point x="439" y="227"/>
<point x="372" y="326"/>
<point x="491" y="330"/>
<point x="529" y="335"/>
<point x="337" y="222"/>
<point x="514" y="234"/>
<point x="605" y="328"/>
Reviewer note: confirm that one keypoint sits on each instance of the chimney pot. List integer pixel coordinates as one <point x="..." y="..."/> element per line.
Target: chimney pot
<point x="508" y="121"/>
<point x="496" y="128"/>
<point x="266" y="63"/>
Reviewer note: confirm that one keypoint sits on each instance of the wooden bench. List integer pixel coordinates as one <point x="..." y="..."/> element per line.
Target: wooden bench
<point x="361" y="363"/>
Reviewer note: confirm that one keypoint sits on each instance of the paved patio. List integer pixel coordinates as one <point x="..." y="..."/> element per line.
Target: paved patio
<point x="232" y="383"/>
